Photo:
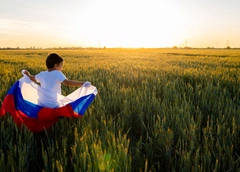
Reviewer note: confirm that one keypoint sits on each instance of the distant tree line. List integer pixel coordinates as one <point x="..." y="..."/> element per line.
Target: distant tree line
<point x="39" y="48"/>
<point x="228" y="47"/>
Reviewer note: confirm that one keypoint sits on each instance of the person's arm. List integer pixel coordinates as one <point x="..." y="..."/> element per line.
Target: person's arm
<point x="30" y="76"/>
<point x="72" y="83"/>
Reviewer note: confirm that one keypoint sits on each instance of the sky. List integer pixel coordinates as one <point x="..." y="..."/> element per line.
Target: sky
<point x="120" y="23"/>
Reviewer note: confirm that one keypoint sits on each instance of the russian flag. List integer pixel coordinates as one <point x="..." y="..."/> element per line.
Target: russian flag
<point x="38" y="109"/>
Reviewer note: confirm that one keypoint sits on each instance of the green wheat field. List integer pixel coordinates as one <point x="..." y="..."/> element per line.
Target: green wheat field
<point x="156" y="110"/>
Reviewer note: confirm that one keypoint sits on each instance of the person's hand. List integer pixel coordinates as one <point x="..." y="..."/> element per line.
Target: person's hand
<point x="86" y="84"/>
<point x="25" y="72"/>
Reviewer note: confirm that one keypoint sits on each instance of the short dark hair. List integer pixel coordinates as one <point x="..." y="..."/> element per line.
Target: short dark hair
<point x="53" y="59"/>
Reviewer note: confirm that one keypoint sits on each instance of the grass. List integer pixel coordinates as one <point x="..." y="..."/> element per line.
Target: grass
<point x="156" y="110"/>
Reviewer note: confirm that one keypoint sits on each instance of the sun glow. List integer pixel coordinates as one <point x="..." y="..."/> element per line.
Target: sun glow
<point x="127" y="24"/>
<point x="120" y="23"/>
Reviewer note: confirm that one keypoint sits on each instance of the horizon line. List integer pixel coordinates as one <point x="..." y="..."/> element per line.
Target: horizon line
<point x="104" y="47"/>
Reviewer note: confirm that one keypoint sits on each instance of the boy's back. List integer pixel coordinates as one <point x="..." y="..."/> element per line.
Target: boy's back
<point x="51" y="80"/>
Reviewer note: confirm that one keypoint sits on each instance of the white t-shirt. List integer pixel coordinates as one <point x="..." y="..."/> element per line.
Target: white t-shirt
<point x="51" y="80"/>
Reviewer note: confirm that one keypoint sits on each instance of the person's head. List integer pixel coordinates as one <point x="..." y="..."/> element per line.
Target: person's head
<point x="54" y="61"/>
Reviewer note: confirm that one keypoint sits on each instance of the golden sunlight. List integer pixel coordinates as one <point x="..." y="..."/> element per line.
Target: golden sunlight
<point x="127" y="24"/>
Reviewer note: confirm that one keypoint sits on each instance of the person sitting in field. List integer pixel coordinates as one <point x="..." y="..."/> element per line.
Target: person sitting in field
<point x="52" y="78"/>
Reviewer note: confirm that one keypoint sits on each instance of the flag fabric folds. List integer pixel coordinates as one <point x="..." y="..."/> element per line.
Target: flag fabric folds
<point x="38" y="109"/>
